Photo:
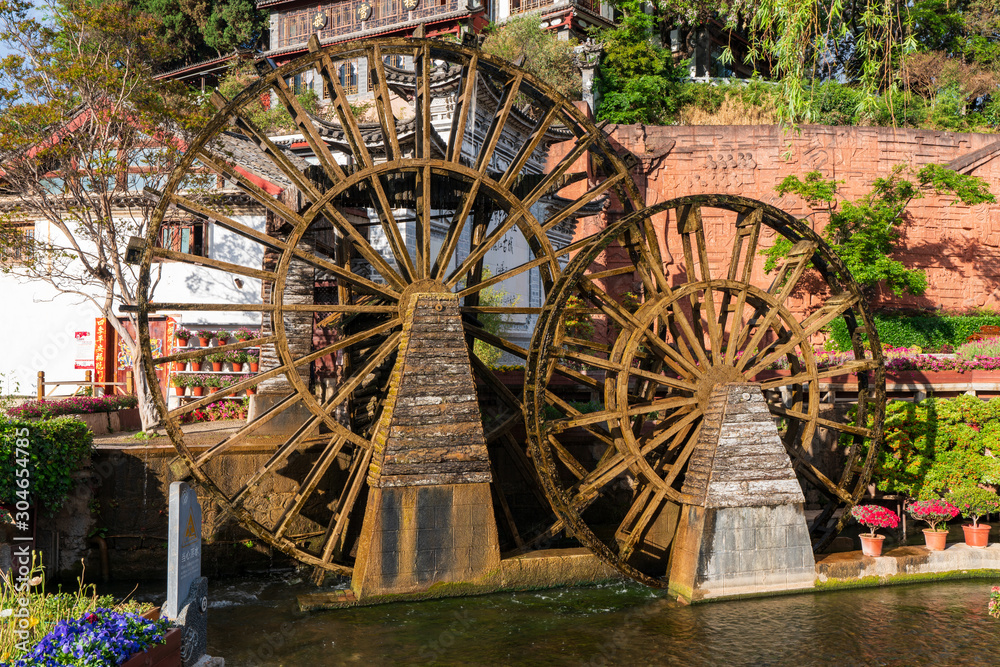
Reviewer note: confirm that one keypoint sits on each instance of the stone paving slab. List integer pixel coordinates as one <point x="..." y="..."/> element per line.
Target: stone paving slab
<point x="904" y="562"/>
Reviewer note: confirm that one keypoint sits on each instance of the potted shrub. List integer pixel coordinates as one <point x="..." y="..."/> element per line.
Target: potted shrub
<point x="195" y="364"/>
<point x="216" y="359"/>
<point x="933" y="512"/>
<point x="244" y="334"/>
<point x="183" y="336"/>
<point x="236" y="358"/>
<point x="213" y="382"/>
<point x="253" y="358"/>
<point x="227" y="381"/>
<point x="222" y="336"/>
<point x="197" y="384"/>
<point x="874" y="516"/>
<point x="179" y="383"/>
<point x="973" y="502"/>
<point x="180" y="365"/>
<point x="204" y="337"/>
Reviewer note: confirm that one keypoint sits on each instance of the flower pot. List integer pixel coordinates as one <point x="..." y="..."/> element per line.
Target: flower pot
<point x="251" y="392"/>
<point x="212" y="390"/>
<point x="179" y="391"/>
<point x="161" y="655"/>
<point x="976" y="536"/>
<point x="872" y="546"/>
<point x="237" y="368"/>
<point x="195" y="365"/>
<point x="222" y="341"/>
<point x="935" y="540"/>
<point x="197" y="391"/>
<point x="179" y="365"/>
<point x="254" y="366"/>
<point x="216" y="366"/>
<point x="204" y="342"/>
<point x="182" y="342"/>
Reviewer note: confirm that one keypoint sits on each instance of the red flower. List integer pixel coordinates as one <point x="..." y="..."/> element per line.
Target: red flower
<point x="90" y="618"/>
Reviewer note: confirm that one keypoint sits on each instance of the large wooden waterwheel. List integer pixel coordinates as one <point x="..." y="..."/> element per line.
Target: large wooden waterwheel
<point x="662" y="343"/>
<point x="463" y="161"/>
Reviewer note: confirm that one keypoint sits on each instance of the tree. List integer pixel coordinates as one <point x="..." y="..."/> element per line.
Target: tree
<point x="201" y="30"/>
<point x="83" y="128"/>
<point x="546" y="56"/>
<point x="865" y="233"/>
<point x="638" y="81"/>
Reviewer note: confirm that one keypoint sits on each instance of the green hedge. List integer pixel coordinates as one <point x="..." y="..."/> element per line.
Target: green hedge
<point x="56" y="448"/>
<point x="937" y="445"/>
<point x="926" y="331"/>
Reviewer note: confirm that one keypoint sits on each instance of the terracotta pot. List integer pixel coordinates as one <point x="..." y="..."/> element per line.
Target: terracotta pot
<point x="935" y="540"/>
<point x="197" y="391"/>
<point x="212" y="390"/>
<point x="237" y="368"/>
<point x="222" y="341"/>
<point x="976" y="536"/>
<point x="166" y="654"/>
<point x="251" y="392"/>
<point x="216" y="366"/>
<point x="182" y="342"/>
<point x="195" y="365"/>
<point x="179" y="391"/>
<point x="872" y="546"/>
<point x="179" y="365"/>
<point x="254" y="366"/>
<point x="204" y="341"/>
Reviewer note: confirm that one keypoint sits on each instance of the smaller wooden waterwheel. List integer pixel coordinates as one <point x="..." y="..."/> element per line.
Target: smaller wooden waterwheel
<point x="659" y="341"/>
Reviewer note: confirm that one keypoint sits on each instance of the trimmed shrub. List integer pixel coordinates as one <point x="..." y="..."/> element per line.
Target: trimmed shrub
<point x="55" y="448"/>
<point x="925" y="331"/>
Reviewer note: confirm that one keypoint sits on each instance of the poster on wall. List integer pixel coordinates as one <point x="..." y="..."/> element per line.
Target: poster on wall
<point x="84" y="350"/>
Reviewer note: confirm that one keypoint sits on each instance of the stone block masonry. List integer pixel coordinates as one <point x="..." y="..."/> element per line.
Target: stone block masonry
<point x="429" y="516"/>
<point x="744" y="532"/>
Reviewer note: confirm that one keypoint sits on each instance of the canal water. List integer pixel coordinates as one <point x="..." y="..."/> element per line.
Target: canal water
<point x="255" y="622"/>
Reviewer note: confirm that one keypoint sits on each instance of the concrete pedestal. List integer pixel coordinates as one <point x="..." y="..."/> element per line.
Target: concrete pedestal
<point x="746" y="531"/>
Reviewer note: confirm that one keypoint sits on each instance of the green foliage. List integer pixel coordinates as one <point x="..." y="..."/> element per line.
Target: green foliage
<point x="202" y="30"/>
<point x="637" y="80"/>
<point x="495" y="323"/>
<point x="924" y="331"/>
<point x="938" y="445"/>
<point x="974" y="501"/>
<point x="865" y="232"/>
<point x="546" y="56"/>
<point x="270" y="118"/>
<point x="55" y="448"/>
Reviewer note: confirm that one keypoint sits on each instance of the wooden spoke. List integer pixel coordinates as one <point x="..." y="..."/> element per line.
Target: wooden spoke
<point x="506" y="275"/>
<point x="202" y="351"/>
<point x="649" y="506"/>
<point x="691" y="225"/>
<point x="247" y="429"/>
<point x="831" y="371"/>
<point x="455" y="230"/>
<point x="496" y="127"/>
<point x="611" y="415"/>
<point x="333" y="171"/>
<point x="270" y="149"/>
<point x="825" y="423"/>
<point x="307" y="433"/>
<point x="569" y="210"/>
<point x="423" y="190"/>
<point x="383" y="104"/>
<point x="552" y="178"/>
<point x="463" y="106"/>
<point x="309" y="484"/>
<point x="219" y="165"/>
<point x="422" y="100"/>
<point x="528" y="149"/>
<point x="356" y="481"/>
<point x="207" y="262"/>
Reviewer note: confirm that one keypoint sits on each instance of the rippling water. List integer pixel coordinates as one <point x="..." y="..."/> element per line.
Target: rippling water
<point x="255" y="622"/>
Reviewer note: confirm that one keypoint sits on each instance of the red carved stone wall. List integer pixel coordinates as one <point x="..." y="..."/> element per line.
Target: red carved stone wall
<point x="958" y="246"/>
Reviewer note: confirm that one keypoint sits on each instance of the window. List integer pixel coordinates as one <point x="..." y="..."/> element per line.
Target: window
<point x="349" y="79"/>
<point x="17" y="241"/>
<point x="188" y="237"/>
